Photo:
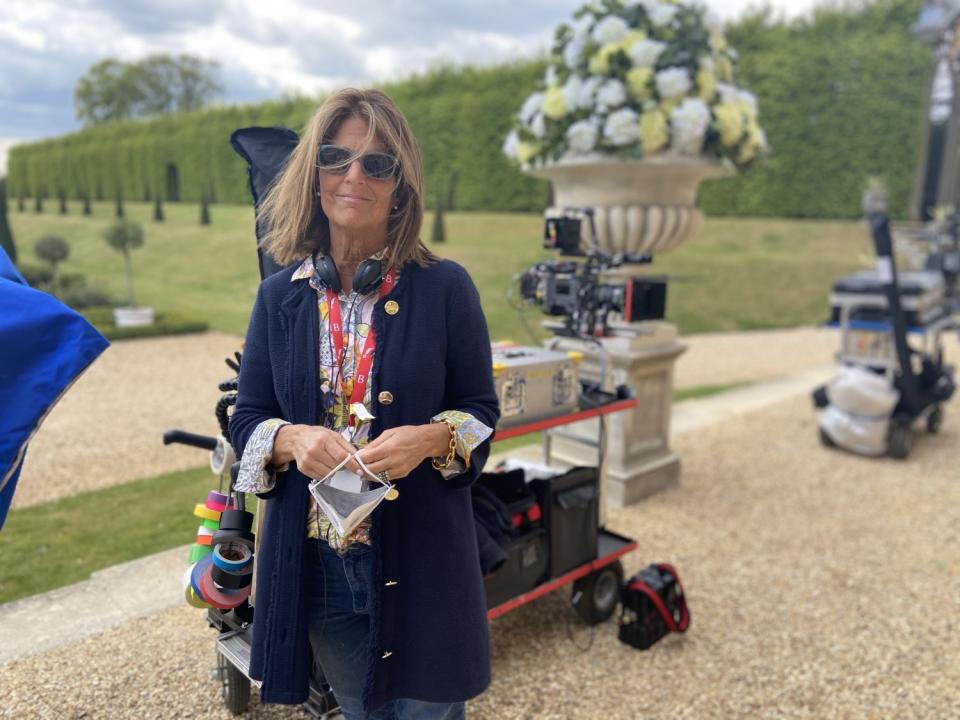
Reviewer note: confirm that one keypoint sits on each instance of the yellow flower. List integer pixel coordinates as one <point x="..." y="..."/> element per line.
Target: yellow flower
<point x="730" y="119"/>
<point x="553" y="105"/>
<point x="749" y="149"/>
<point x="707" y="84"/>
<point x="724" y="68"/>
<point x="653" y="131"/>
<point x="634" y="36"/>
<point x="600" y="62"/>
<point x="718" y="41"/>
<point x="667" y="106"/>
<point x="638" y="82"/>
<point x="526" y="151"/>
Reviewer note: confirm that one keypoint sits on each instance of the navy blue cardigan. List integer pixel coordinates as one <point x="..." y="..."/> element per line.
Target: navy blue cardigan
<point x="428" y="637"/>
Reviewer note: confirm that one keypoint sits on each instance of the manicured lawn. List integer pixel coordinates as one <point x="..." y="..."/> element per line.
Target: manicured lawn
<point x="62" y="542"/>
<point x="736" y="274"/>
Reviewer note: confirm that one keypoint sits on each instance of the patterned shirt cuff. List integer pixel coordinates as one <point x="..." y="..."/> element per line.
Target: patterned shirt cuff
<point x="468" y="434"/>
<point x="255" y="475"/>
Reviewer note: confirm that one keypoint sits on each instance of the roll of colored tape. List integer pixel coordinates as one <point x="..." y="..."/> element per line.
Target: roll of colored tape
<point x="222" y="599"/>
<point x="211" y="524"/>
<point x="193" y="599"/>
<point x="204" y="530"/>
<point x="236" y="520"/>
<point x="217" y="498"/>
<point x="197" y="551"/>
<point x="232" y="579"/>
<point x="244" y="537"/>
<point x="231" y="556"/>
<point x="204" y="539"/>
<point x="195" y="572"/>
<point x="205" y="513"/>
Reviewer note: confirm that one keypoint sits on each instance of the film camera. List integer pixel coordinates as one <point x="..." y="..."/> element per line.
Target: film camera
<point x="576" y="289"/>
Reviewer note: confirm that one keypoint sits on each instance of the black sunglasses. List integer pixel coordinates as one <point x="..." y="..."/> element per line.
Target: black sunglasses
<point x="337" y="160"/>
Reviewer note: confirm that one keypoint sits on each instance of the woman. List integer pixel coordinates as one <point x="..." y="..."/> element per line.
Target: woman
<point x="365" y="322"/>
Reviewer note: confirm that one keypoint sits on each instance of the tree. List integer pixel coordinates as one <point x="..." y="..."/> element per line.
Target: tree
<point x="119" y="211"/>
<point x="53" y="250"/>
<point x="123" y="237"/>
<point x="158" y="209"/>
<point x="439" y="233"/>
<point x="6" y="237"/>
<point x="62" y="195"/>
<point x="205" y="208"/>
<point x="156" y="85"/>
<point x="87" y="210"/>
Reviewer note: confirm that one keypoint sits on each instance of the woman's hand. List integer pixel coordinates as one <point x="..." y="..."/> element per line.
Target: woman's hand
<point x="401" y="449"/>
<point x="316" y="450"/>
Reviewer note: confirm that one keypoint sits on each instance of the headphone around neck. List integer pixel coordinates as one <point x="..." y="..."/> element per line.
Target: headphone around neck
<point x="367" y="278"/>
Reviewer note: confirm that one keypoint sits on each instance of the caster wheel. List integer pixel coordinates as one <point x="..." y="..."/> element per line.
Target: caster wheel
<point x="935" y="420"/>
<point x="596" y="595"/>
<point x="900" y="439"/>
<point x="235" y="688"/>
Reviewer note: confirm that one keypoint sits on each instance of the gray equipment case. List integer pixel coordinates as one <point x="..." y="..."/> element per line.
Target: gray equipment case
<point x="534" y="384"/>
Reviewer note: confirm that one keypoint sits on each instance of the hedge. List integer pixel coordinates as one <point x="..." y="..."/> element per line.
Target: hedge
<point x="841" y="97"/>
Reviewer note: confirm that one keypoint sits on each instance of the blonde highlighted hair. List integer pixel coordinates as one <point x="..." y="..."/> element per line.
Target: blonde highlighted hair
<point x="295" y="223"/>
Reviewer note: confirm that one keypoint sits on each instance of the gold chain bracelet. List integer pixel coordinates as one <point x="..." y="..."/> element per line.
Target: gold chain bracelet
<point x="451" y="451"/>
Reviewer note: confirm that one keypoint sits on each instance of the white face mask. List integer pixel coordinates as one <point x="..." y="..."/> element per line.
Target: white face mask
<point x="346" y="498"/>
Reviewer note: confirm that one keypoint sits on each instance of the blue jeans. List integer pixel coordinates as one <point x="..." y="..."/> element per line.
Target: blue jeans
<point x="339" y="622"/>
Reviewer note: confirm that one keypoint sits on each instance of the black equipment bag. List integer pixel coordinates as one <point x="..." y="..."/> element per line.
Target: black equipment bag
<point x="653" y="605"/>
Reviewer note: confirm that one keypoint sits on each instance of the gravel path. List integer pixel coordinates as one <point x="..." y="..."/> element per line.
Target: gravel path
<point x="107" y="429"/>
<point x="822" y="585"/>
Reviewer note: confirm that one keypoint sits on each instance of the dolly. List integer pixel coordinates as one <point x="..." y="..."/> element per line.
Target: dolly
<point x="876" y="313"/>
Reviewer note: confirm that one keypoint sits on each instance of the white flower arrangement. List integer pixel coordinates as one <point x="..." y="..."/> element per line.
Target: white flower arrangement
<point x="638" y="78"/>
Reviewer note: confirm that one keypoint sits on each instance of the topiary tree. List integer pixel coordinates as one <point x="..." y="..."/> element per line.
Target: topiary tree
<point x="38" y="203"/>
<point x="62" y="196"/>
<point x="439" y="233"/>
<point x="52" y="249"/>
<point x="6" y="237"/>
<point x="123" y="237"/>
<point x="120" y="212"/>
<point x="87" y="209"/>
<point x="205" y="209"/>
<point x="158" y="209"/>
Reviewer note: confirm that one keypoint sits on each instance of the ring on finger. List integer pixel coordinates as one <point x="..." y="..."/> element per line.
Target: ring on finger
<point x="384" y="476"/>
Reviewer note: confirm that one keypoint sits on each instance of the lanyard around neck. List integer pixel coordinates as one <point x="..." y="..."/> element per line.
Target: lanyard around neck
<point x="337" y="332"/>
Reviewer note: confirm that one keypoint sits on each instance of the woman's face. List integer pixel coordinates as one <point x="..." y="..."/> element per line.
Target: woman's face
<point x="353" y="201"/>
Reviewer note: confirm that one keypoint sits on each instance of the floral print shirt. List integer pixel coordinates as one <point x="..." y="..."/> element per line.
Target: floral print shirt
<point x="257" y="476"/>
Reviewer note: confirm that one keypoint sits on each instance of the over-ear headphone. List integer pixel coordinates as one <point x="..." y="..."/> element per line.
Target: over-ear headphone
<point x="366" y="279"/>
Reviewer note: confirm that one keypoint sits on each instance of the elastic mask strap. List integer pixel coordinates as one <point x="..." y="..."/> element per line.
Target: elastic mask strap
<point x="370" y="472"/>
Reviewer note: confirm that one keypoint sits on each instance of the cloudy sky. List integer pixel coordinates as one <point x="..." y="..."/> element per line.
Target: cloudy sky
<point x="266" y="48"/>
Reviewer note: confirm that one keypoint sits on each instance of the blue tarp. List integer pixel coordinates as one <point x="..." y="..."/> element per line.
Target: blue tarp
<point x="44" y="346"/>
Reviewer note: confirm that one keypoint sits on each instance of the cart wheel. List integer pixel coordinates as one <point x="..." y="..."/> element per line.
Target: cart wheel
<point x="935" y="419"/>
<point x="900" y="440"/>
<point x="596" y="595"/>
<point x="235" y="688"/>
<point x="826" y="440"/>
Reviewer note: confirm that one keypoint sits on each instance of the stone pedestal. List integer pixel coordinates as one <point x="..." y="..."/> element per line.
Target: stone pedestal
<point x="638" y="460"/>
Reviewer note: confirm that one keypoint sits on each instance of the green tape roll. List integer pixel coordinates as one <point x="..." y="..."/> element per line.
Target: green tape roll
<point x="198" y="551"/>
<point x="212" y="524"/>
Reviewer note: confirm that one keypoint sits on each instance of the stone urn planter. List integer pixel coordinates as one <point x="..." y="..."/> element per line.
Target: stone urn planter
<point x="641" y="207"/>
<point x="132" y="316"/>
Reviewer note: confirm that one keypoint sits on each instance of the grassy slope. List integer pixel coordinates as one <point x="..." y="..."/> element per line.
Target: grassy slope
<point x="736" y="274"/>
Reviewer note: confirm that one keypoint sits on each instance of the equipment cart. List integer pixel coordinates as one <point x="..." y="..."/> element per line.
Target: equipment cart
<point x="878" y="313"/>
<point x="538" y="561"/>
